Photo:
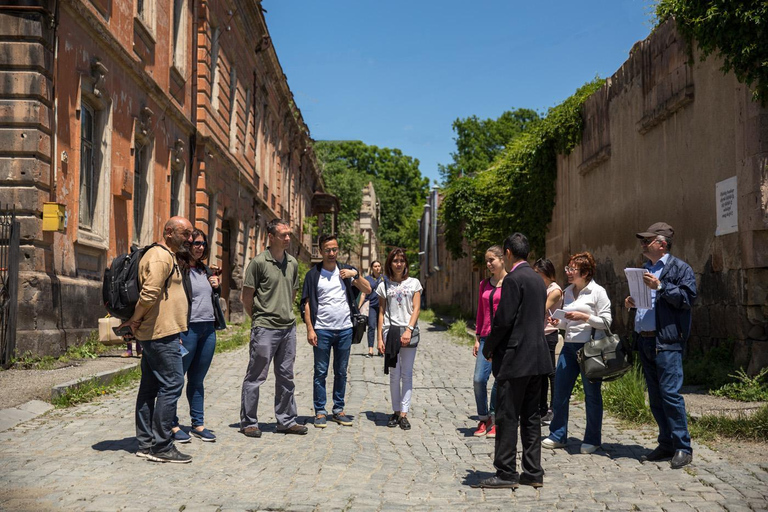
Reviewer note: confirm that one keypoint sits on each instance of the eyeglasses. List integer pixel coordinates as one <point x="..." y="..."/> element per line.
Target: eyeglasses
<point x="331" y="250"/>
<point x="283" y="236"/>
<point x="200" y="244"/>
<point x="648" y="241"/>
<point x="570" y="270"/>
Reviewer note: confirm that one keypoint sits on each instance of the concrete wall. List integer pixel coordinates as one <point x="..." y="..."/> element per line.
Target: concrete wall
<point x="658" y="137"/>
<point x="235" y="165"/>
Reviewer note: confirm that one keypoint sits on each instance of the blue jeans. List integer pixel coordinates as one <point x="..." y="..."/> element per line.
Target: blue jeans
<point x="341" y="343"/>
<point x="373" y="323"/>
<point x="480" y="383"/>
<point x="162" y="380"/>
<point x="200" y="341"/>
<point x="664" y="376"/>
<point x="565" y="378"/>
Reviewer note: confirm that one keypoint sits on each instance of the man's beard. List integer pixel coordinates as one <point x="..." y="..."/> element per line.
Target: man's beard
<point x="183" y="248"/>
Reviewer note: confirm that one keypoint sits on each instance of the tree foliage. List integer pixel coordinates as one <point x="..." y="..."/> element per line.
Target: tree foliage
<point x="517" y="191"/>
<point x="478" y="142"/>
<point x="400" y="188"/>
<point x="736" y="30"/>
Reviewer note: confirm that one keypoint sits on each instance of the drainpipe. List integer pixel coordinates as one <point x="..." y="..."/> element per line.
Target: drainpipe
<point x="193" y="103"/>
<point x="54" y="111"/>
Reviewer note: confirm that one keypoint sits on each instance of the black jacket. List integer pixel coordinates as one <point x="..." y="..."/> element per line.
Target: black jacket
<point x="673" y="305"/>
<point x="309" y="291"/>
<point x="516" y="342"/>
<point x="219" y="321"/>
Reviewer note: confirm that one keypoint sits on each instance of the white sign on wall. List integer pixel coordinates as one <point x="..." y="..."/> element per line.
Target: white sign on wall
<point x="727" y="207"/>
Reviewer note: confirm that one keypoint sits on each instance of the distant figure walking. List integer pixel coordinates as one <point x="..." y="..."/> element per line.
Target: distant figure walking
<point x="374" y="279"/>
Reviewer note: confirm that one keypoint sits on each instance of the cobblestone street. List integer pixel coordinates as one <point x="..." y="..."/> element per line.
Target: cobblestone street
<point x="83" y="458"/>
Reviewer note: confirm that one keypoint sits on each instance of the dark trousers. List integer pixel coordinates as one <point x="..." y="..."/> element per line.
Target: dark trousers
<point x="548" y="382"/>
<point x="162" y="380"/>
<point x="664" y="376"/>
<point x="373" y="324"/>
<point x="517" y="403"/>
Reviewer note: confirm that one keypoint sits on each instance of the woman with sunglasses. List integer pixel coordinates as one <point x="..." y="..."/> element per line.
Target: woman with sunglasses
<point x="205" y="316"/>
<point x="588" y="310"/>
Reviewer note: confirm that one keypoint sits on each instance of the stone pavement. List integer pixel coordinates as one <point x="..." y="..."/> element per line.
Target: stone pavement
<point x="83" y="458"/>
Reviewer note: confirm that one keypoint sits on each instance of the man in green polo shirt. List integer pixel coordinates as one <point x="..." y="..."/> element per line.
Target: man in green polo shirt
<point x="269" y="290"/>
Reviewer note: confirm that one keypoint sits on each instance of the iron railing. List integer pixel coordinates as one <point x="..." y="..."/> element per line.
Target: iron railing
<point x="9" y="284"/>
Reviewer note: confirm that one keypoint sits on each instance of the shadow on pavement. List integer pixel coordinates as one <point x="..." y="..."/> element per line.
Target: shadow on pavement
<point x="127" y="444"/>
<point x="379" y="418"/>
<point x="474" y="477"/>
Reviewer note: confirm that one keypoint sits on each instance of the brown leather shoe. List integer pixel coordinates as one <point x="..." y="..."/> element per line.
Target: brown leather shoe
<point x="251" y="431"/>
<point x="297" y="429"/>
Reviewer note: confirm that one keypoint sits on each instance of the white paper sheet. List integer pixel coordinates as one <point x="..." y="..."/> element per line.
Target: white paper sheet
<point x="637" y="288"/>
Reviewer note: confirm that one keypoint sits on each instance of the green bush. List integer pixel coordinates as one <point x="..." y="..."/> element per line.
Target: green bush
<point x="746" y="388"/>
<point x="458" y="330"/>
<point x="427" y="315"/>
<point x="625" y="397"/>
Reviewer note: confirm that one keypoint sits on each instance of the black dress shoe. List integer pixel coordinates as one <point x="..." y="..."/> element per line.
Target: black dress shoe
<point x="658" y="453"/>
<point x="681" y="459"/>
<point x="495" y="482"/>
<point x="528" y="480"/>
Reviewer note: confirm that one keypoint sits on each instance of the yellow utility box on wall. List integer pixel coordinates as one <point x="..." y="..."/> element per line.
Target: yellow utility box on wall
<point x="54" y="217"/>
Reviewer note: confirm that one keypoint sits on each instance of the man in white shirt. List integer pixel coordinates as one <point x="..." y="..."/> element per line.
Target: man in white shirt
<point x="327" y="301"/>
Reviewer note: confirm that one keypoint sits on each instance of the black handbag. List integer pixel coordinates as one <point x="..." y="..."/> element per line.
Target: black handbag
<point x="359" y="323"/>
<point x="605" y="359"/>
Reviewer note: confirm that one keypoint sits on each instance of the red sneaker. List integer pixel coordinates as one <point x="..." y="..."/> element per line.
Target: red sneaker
<point x="481" y="429"/>
<point x="491" y="431"/>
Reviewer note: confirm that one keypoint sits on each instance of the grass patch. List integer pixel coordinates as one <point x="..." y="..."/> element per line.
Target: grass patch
<point x="91" y="390"/>
<point x="752" y="428"/>
<point x="625" y="397"/>
<point x="89" y="349"/>
<point x="427" y="315"/>
<point x="458" y="331"/>
<point x="240" y="336"/>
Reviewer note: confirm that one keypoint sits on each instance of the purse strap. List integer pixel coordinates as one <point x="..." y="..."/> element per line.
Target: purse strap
<point x="607" y="330"/>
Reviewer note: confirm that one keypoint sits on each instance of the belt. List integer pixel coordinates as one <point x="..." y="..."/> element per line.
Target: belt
<point x="647" y="334"/>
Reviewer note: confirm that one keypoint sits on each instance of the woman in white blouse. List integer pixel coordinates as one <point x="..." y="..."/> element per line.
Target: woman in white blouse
<point x="588" y="309"/>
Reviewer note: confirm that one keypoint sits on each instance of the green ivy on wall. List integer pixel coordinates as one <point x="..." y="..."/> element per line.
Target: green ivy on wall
<point x="737" y="30"/>
<point x="517" y="192"/>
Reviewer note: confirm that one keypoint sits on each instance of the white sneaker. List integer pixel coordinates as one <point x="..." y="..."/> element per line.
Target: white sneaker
<point x="587" y="448"/>
<point x="550" y="443"/>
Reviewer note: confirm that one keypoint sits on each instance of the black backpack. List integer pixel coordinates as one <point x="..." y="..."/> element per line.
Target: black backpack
<point x="121" y="287"/>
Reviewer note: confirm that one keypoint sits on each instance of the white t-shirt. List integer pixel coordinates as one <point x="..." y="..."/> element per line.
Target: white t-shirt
<point x="332" y="306"/>
<point x="399" y="301"/>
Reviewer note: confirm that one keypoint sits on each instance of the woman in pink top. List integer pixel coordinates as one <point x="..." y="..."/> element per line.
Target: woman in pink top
<point x="490" y="293"/>
<point x="546" y="270"/>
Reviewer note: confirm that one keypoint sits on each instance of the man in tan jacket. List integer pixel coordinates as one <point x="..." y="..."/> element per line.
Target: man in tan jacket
<point x="159" y="319"/>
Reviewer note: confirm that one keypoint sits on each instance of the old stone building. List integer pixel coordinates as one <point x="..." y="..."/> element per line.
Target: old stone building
<point x="668" y="139"/>
<point x="367" y="226"/>
<point x="125" y="113"/>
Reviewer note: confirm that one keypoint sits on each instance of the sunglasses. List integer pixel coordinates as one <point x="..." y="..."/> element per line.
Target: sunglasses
<point x="199" y="244"/>
<point x="648" y="241"/>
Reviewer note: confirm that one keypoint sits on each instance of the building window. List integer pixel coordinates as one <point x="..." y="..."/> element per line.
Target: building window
<point x="180" y="36"/>
<point x="177" y="176"/>
<point x="145" y="12"/>
<point x="140" y="170"/>
<point x="247" y="123"/>
<point x="88" y="174"/>
<point x="215" y="67"/>
<point x="233" y="110"/>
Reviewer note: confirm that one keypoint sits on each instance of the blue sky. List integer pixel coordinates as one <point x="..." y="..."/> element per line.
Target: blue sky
<point x="397" y="74"/>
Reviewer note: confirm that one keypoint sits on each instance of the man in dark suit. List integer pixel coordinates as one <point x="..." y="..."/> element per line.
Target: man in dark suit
<point x="520" y="359"/>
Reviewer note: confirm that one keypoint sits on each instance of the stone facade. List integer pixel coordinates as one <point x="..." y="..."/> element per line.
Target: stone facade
<point x="127" y="113"/>
<point x="368" y="226"/>
<point x="658" y="137"/>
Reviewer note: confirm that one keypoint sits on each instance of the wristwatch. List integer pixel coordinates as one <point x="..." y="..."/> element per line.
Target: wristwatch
<point x="357" y="274"/>
<point x="661" y="286"/>
<point x="411" y="328"/>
